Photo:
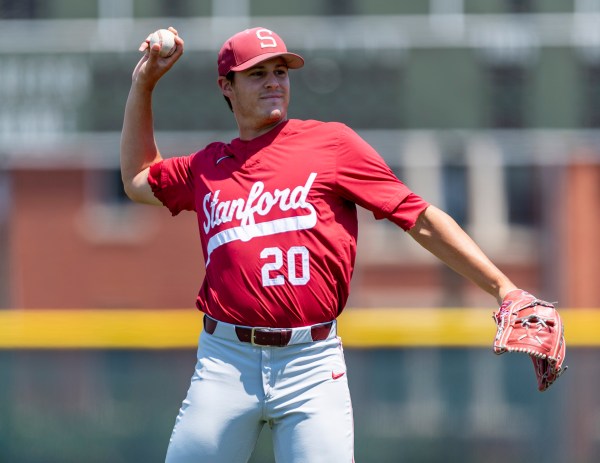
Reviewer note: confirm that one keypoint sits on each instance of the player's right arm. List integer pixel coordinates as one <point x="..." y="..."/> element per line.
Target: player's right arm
<point x="138" y="146"/>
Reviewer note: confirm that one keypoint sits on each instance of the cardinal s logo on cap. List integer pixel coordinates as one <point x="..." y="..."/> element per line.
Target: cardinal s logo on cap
<point x="248" y="48"/>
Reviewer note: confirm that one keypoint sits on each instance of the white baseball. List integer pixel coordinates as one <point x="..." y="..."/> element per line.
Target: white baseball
<point x="166" y="39"/>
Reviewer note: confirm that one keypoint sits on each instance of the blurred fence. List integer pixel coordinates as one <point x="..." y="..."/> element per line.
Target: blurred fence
<point x="425" y="384"/>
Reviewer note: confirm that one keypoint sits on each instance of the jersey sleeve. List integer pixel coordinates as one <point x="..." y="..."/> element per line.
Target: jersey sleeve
<point x="362" y="176"/>
<point x="407" y="212"/>
<point x="172" y="183"/>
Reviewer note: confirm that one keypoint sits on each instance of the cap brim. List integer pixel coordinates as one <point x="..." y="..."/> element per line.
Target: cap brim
<point x="292" y="60"/>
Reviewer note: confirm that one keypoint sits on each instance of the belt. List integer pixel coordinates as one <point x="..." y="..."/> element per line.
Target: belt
<point x="273" y="337"/>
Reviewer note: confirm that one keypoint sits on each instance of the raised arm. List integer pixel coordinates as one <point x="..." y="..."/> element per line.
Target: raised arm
<point x="437" y="232"/>
<point x="138" y="146"/>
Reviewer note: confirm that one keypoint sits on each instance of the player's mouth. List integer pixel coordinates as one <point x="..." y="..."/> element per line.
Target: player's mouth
<point x="277" y="96"/>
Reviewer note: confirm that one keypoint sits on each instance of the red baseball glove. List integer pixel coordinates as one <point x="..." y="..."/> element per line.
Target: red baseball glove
<point x="527" y="324"/>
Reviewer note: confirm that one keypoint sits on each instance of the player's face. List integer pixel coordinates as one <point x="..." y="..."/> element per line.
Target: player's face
<point x="260" y="95"/>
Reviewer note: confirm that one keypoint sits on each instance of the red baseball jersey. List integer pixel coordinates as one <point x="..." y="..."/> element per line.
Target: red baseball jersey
<point x="277" y="219"/>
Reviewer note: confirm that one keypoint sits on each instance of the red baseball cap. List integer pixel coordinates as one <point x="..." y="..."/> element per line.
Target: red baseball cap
<point x="248" y="48"/>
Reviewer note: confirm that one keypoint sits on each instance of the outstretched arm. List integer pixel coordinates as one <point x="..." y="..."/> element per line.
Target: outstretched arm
<point x="437" y="232"/>
<point x="138" y="147"/>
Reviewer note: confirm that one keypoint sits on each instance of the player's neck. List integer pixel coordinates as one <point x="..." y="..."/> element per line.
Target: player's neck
<point x="250" y="132"/>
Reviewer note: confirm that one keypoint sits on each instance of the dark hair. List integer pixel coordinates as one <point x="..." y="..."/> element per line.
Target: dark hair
<point x="230" y="76"/>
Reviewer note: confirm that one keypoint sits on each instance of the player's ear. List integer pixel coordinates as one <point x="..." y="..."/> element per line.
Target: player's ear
<point x="225" y="85"/>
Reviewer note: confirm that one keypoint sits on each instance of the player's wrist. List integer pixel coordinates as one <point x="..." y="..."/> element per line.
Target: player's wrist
<point x="504" y="291"/>
<point x="142" y="87"/>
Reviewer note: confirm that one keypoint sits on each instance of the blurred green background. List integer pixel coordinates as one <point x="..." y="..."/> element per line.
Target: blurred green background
<point x="415" y="405"/>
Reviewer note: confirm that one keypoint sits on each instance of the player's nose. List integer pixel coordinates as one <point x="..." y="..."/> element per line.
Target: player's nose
<point x="272" y="80"/>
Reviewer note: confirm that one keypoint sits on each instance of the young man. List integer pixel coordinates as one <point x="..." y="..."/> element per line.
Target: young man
<point x="277" y="220"/>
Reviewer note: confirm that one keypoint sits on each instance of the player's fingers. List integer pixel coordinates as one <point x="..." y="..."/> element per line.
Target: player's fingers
<point x="155" y="48"/>
<point x="180" y="44"/>
<point x="178" y="40"/>
<point x="153" y="52"/>
<point x="145" y="44"/>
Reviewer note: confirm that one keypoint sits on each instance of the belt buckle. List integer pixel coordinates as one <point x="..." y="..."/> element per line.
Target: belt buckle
<point x="253" y="334"/>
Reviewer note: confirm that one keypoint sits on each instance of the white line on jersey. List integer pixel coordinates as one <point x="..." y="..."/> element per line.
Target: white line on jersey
<point x="258" y="203"/>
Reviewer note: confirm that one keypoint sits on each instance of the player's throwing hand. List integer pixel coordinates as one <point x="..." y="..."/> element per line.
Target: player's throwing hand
<point x="154" y="63"/>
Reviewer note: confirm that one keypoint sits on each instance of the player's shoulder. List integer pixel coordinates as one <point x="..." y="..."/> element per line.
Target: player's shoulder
<point x="216" y="147"/>
<point x="209" y="153"/>
<point x="313" y="124"/>
<point x="316" y="126"/>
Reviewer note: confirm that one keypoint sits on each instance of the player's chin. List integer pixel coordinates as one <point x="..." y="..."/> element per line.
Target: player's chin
<point x="275" y="112"/>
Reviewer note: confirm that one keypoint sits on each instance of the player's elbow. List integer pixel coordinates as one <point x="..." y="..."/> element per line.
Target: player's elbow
<point x="138" y="189"/>
<point x="129" y="190"/>
<point x="134" y="189"/>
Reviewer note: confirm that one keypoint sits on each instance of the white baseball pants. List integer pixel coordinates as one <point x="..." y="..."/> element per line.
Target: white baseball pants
<point x="300" y="390"/>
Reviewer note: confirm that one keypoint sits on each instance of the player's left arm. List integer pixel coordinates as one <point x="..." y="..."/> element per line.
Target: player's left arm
<point x="439" y="233"/>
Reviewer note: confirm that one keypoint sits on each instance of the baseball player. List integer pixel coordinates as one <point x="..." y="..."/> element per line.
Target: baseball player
<point x="276" y="211"/>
